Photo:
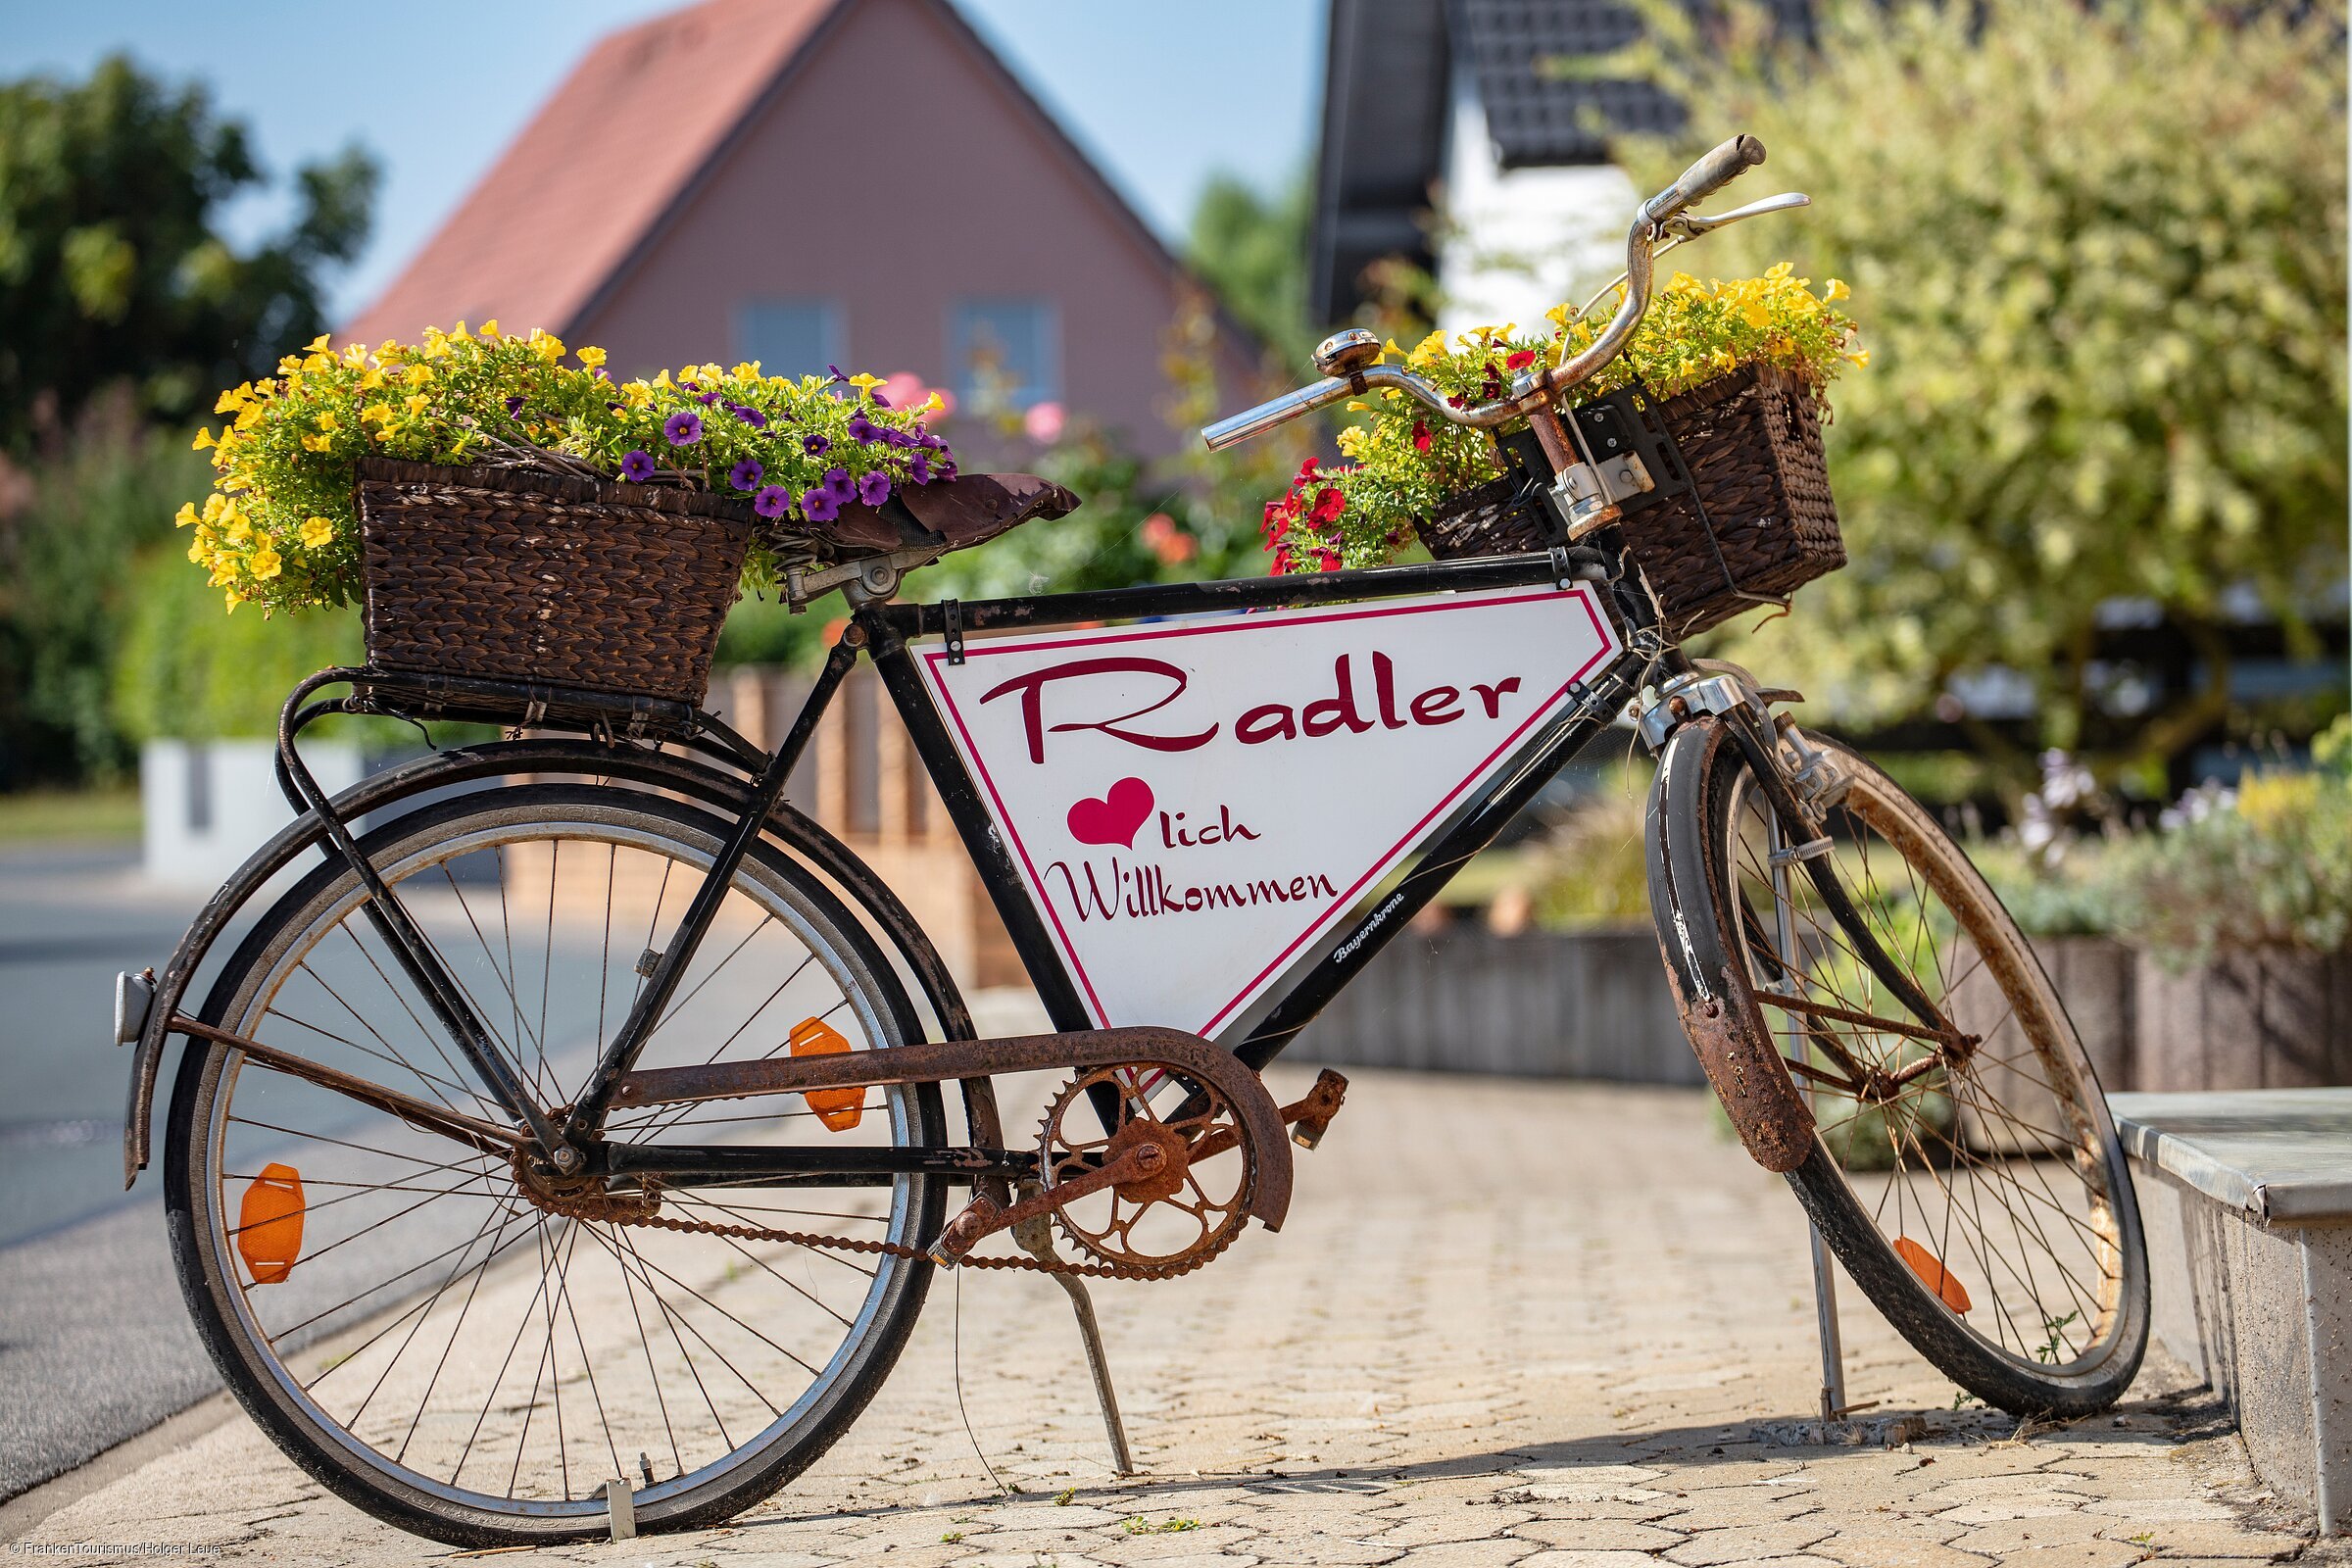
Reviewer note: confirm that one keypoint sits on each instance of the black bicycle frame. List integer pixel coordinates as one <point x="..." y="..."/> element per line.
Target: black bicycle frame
<point x="882" y="630"/>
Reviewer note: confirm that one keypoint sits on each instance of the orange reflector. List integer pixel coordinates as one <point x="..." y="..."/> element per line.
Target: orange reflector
<point x="270" y="1224"/>
<point x="1932" y="1274"/>
<point x="838" y="1108"/>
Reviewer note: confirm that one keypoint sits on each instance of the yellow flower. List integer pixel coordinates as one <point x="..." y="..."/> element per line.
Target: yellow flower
<point x="316" y="532"/>
<point x="1837" y="291"/>
<point x="327" y="420"/>
<point x="933" y="404"/>
<point x="592" y="357"/>
<point x="317" y="344"/>
<point x="490" y="329"/>
<point x="864" y="384"/>
<point x="1358" y="405"/>
<point x="214" y="504"/>
<point x="747" y="371"/>
<point x="637" y="394"/>
<point x="419" y="376"/>
<point x="266" y="563"/>
<point x="237" y="526"/>
<point x="546" y="345"/>
<point x="204" y="439"/>
<point x="185" y="517"/>
<point x="235" y="598"/>
<point x="198" y="549"/>
<point x="316" y="443"/>
<point x="415" y="403"/>
<point x="1427" y="351"/>
<point x="1756" y="314"/>
<point x="370" y="379"/>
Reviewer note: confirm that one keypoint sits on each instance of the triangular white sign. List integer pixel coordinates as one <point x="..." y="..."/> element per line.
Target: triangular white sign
<point x="1192" y="801"/>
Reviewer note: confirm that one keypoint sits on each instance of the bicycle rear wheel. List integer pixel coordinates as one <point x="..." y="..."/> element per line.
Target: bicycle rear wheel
<point x="392" y="1307"/>
<point x="1970" y="1180"/>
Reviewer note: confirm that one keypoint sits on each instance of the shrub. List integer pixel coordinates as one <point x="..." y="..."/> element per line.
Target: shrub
<point x="2266" y="864"/>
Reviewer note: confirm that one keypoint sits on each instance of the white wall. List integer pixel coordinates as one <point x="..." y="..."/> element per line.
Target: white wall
<point x="209" y="805"/>
<point x="1525" y="239"/>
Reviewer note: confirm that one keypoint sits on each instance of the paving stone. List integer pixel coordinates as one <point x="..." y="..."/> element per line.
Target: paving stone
<point x="1747" y="1543"/>
<point x="1600" y="1535"/>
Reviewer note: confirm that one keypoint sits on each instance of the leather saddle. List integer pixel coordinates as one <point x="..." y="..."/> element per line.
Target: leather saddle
<point x="955" y="514"/>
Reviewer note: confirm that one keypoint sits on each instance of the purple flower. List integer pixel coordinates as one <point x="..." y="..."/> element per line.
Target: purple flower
<point x="874" y="488"/>
<point x="880" y="401"/>
<point x="919" y="470"/>
<point x="707" y="399"/>
<point x="637" y="467"/>
<point x="515" y="404"/>
<point x="748" y="416"/>
<point x="772" y="501"/>
<point x="815" y="444"/>
<point x="863" y="430"/>
<point x="834" y="370"/>
<point x="683" y="428"/>
<point x="819" y="506"/>
<point x="840" y="486"/>
<point x="746" y="475"/>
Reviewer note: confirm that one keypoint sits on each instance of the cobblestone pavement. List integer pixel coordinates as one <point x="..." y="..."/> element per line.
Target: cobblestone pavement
<point x="1508" y="1323"/>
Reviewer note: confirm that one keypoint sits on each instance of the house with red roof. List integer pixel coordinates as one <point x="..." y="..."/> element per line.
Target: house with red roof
<point x="813" y="182"/>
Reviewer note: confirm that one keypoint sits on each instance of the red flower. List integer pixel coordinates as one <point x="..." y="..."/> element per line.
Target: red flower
<point x="1420" y="436"/>
<point x="1327" y="559"/>
<point x="1328" y="506"/>
<point x="1521" y="360"/>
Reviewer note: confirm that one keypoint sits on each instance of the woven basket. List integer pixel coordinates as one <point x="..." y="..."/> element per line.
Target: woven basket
<point x="517" y="576"/>
<point x="1751" y="442"/>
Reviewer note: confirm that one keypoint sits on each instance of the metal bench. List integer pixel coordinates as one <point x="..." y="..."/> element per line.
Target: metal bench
<point x="2247" y="1198"/>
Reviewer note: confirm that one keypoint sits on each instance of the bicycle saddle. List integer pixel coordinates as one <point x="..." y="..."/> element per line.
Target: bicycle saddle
<point x="966" y="511"/>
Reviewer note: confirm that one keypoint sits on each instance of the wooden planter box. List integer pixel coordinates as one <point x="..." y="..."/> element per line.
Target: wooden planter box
<point x="2247" y="1020"/>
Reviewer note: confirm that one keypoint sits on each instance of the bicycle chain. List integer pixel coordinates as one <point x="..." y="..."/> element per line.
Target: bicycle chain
<point x="640" y="1210"/>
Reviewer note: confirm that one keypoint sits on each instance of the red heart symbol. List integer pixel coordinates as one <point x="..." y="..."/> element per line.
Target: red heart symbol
<point x="1115" y="818"/>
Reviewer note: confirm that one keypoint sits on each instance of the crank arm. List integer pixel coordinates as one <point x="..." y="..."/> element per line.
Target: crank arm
<point x="488" y="1136"/>
<point x="1308" y="1118"/>
<point x="984" y="1216"/>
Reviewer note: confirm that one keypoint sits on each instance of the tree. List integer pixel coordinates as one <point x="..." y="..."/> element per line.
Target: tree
<point x="2098" y="257"/>
<point x="112" y="267"/>
<point x="1250" y="249"/>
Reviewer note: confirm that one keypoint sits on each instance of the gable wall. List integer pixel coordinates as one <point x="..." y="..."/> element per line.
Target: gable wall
<point x="895" y="174"/>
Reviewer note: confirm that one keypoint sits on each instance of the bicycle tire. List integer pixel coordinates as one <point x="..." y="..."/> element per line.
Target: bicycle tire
<point x="241" y="995"/>
<point x="1706" y="924"/>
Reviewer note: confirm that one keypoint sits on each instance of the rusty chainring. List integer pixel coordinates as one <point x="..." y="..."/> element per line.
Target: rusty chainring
<point x="582" y="1199"/>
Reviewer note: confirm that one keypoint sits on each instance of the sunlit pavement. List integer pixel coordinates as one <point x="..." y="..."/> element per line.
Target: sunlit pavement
<point x="1507" y="1323"/>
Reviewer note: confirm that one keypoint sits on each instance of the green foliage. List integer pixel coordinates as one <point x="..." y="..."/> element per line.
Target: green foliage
<point x="186" y="671"/>
<point x="112" y="267"/>
<point x="282" y="528"/>
<point x="2267" y="865"/>
<point x="1591" y="869"/>
<point x="1250" y="249"/>
<point x="2098" y="254"/>
<point x="71" y="522"/>
<point x="1404" y="464"/>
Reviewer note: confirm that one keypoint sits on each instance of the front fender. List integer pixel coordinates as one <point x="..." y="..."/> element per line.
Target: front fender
<point x="697" y="780"/>
<point x="1712" y="988"/>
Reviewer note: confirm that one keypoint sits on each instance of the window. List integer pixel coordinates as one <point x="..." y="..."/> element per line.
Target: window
<point x="1005" y="351"/>
<point x="790" y="336"/>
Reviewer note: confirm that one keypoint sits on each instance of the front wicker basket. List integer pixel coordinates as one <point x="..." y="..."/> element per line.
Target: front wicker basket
<point x="513" y="574"/>
<point x="1755" y="523"/>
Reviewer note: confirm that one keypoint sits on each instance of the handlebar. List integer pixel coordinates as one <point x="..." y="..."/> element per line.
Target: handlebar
<point x="1659" y="218"/>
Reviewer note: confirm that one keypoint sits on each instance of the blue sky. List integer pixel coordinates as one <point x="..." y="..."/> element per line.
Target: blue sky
<point x="435" y="87"/>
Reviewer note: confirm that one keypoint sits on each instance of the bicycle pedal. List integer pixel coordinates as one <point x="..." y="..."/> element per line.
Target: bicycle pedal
<point x="1309" y="1118"/>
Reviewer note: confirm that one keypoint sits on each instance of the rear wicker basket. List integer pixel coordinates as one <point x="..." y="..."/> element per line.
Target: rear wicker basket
<point x="516" y="575"/>
<point x="1750" y="442"/>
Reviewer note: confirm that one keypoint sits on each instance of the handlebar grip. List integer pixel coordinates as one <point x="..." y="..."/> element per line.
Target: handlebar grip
<point x="1706" y="177"/>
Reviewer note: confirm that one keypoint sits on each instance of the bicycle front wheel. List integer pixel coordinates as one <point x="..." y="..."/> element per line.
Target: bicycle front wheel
<point x="391" y="1307"/>
<point x="1966" y="1171"/>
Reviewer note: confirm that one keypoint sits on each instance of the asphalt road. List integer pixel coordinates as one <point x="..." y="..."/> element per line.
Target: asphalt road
<point x="94" y="1345"/>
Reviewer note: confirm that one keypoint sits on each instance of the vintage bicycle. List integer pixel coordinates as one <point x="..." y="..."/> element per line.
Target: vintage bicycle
<point x="562" y="1131"/>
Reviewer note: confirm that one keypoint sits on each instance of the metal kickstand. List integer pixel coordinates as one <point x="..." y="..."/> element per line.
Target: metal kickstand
<point x="1036" y="1238"/>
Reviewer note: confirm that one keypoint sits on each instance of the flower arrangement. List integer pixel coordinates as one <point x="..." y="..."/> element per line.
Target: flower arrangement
<point x="1400" y="464"/>
<point x="280" y="529"/>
